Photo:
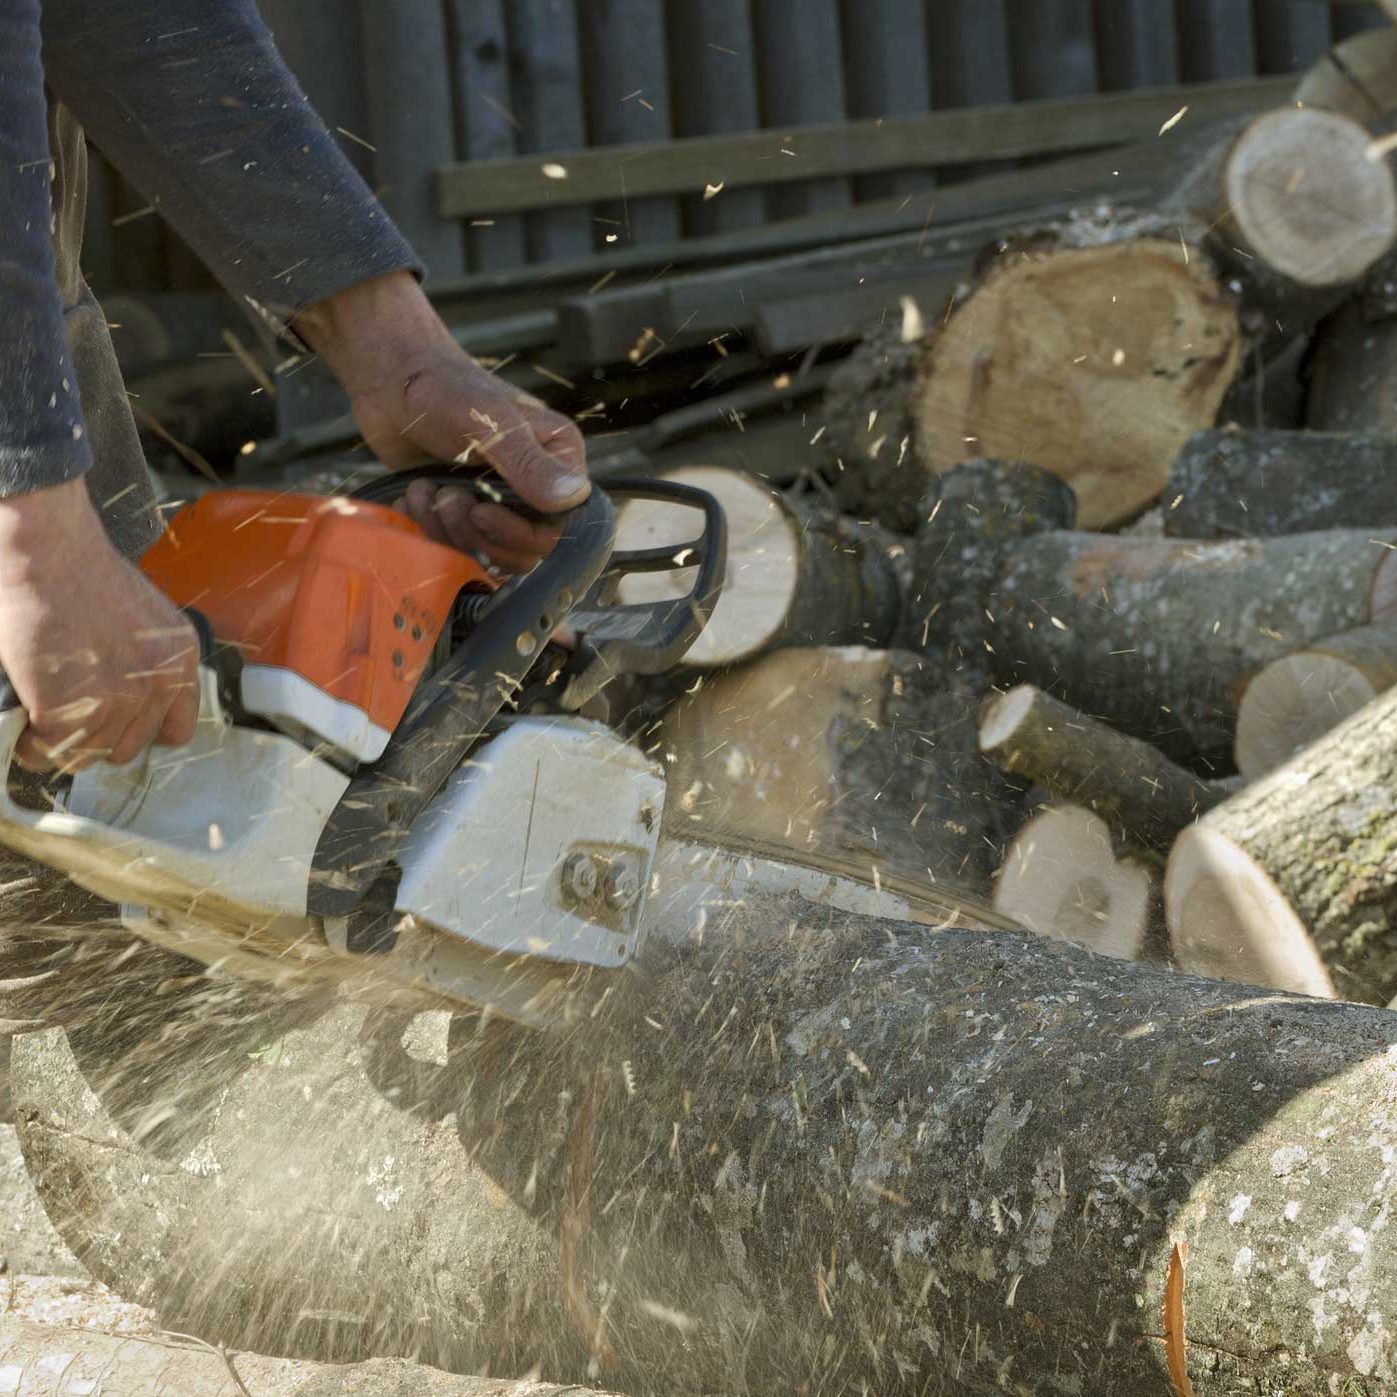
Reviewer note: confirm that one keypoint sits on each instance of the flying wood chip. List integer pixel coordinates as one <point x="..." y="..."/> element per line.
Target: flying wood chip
<point x="1175" y="1343"/>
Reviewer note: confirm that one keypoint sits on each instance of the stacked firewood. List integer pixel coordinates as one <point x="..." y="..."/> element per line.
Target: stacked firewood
<point x="1092" y="610"/>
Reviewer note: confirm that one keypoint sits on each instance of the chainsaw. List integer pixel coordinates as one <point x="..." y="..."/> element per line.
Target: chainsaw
<point x="392" y="785"/>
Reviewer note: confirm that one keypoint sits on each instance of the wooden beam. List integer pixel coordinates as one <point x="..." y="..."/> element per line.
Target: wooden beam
<point x="843" y="148"/>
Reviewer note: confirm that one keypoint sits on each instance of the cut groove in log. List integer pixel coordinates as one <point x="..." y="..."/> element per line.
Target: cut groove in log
<point x="1294" y="701"/>
<point x="1144" y="797"/>
<point x="795" y="575"/>
<point x="863" y="753"/>
<point x="1062" y="879"/>
<point x="1097" y="363"/>
<point x="1229" y="484"/>
<point x="1159" y="637"/>
<point x="1292" y="882"/>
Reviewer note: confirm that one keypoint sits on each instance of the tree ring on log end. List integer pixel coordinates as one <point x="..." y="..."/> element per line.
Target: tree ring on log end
<point x="1321" y="219"/>
<point x="763" y="561"/>
<point x="1229" y="921"/>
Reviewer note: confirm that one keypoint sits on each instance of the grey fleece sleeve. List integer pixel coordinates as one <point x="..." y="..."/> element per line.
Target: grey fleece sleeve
<point x="41" y="432"/>
<point x="192" y="102"/>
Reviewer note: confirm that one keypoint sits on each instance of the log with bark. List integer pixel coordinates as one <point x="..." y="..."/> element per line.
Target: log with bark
<point x="1144" y="798"/>
<point x="1293" y="882"/>
<point x="1062" y="879"/>
<point x="865" y="755"/>
<point x="1294" y="701"/>
<point x="812" y="1150"/>
<point x="1230" y="484"/>
<point x="1158" y="637"/>
<point x="1096" y="347"/>
<point x="797" y="574"/>
<point x="970" y="517"/>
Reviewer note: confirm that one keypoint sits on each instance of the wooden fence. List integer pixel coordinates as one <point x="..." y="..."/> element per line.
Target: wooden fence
<point x="505" y="132"/>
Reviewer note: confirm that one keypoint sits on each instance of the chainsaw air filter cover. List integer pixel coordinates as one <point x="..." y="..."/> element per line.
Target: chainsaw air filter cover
<point x="335" y="605"/>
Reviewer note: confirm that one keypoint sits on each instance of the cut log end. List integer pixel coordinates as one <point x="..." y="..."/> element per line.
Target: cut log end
<point x="1096" y="362"/>
<point x="763" y="562"/>
<point x="1227" y="919"/>
<point x="1294" y="702"/>
<point x="1306" y="197"/>
<point x="1061" y="879"/>
<point x="1004" y="715"/>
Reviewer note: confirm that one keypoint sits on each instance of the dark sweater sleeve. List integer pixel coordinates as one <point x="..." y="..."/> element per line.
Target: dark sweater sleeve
<point x="41" y="432"/>
<point x="192" y="102"/>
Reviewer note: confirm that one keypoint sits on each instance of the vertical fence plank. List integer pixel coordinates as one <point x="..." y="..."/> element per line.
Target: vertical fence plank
<point x="485" y="121"/>
<point x="1051" y="48"/>
<point x="547" y="86"/>
<point x="887" y="68"/>
<point x="410" y="110"/>
<point x="1291" y="34"/>
<point x="1217" y="40"/>
<point x="800" y="77"/>
<point x="1135" y="44"/>
<point x="713" y="73"/>
<point x="969" y="59"/>
<point x="626" y="85"/>
<point x="323" y="44"/>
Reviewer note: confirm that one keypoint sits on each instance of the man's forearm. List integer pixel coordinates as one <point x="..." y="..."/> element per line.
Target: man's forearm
<point x="193" y="103"/>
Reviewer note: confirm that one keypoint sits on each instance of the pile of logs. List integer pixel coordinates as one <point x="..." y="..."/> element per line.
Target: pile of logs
<point x="1089" y="607"/>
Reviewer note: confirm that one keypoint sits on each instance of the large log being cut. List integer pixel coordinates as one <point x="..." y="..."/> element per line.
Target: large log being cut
<point x="1097" y="347"/>
<point x="814" y="1151"/>
<point x="1293" y="882"/>
<point x="1158" y="637"/>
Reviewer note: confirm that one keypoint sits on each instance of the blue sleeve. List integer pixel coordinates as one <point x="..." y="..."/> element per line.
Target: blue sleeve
<point x="41" y="432"/>
<point x="192" y="102"/>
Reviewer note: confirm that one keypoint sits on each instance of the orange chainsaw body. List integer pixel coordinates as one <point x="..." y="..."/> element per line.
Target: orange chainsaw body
<point x="335" y="604"/>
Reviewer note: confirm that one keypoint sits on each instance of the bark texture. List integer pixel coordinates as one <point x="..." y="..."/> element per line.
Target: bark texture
<point x="1159" y="637"/>
<point x="1144" y="797"/>
<point x="818" y="1151"/>
<point x="1239" y="484"/>
<point x="861" y="754"/>
<point x="1323" y="831"/>
<point x="971" y="517"/>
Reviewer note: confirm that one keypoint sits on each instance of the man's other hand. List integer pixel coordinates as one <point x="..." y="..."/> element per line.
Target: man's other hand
<point x="103" y="663"/>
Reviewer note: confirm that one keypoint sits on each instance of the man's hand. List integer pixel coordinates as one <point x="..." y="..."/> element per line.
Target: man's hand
<point x="416" y="394"/>
<point x="102" y="662"/>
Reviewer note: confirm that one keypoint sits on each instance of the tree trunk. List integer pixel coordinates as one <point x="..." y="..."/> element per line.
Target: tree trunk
<point x="796" y="574"/>
<point x="1357" y="77"/>
<point x="1248" y="484"/>
<point x="1292" y="882"/>
<point x="971" y="516"/>
<point x="868" y="755"/>
<point x="1352" y="372"/>
<point x="1159" y="637"/>
<point x="1143" y="797"/>
<point x="1061" y="878"/>
<point x="812" y="1150"/>
<point x="1294" y="701"/>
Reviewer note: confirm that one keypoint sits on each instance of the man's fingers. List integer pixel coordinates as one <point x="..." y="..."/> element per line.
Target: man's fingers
<point x="462" y="514"/>
<point x="548" y="482"/>
<point x="417" y="505"/>
<point x="181" y="719"/>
